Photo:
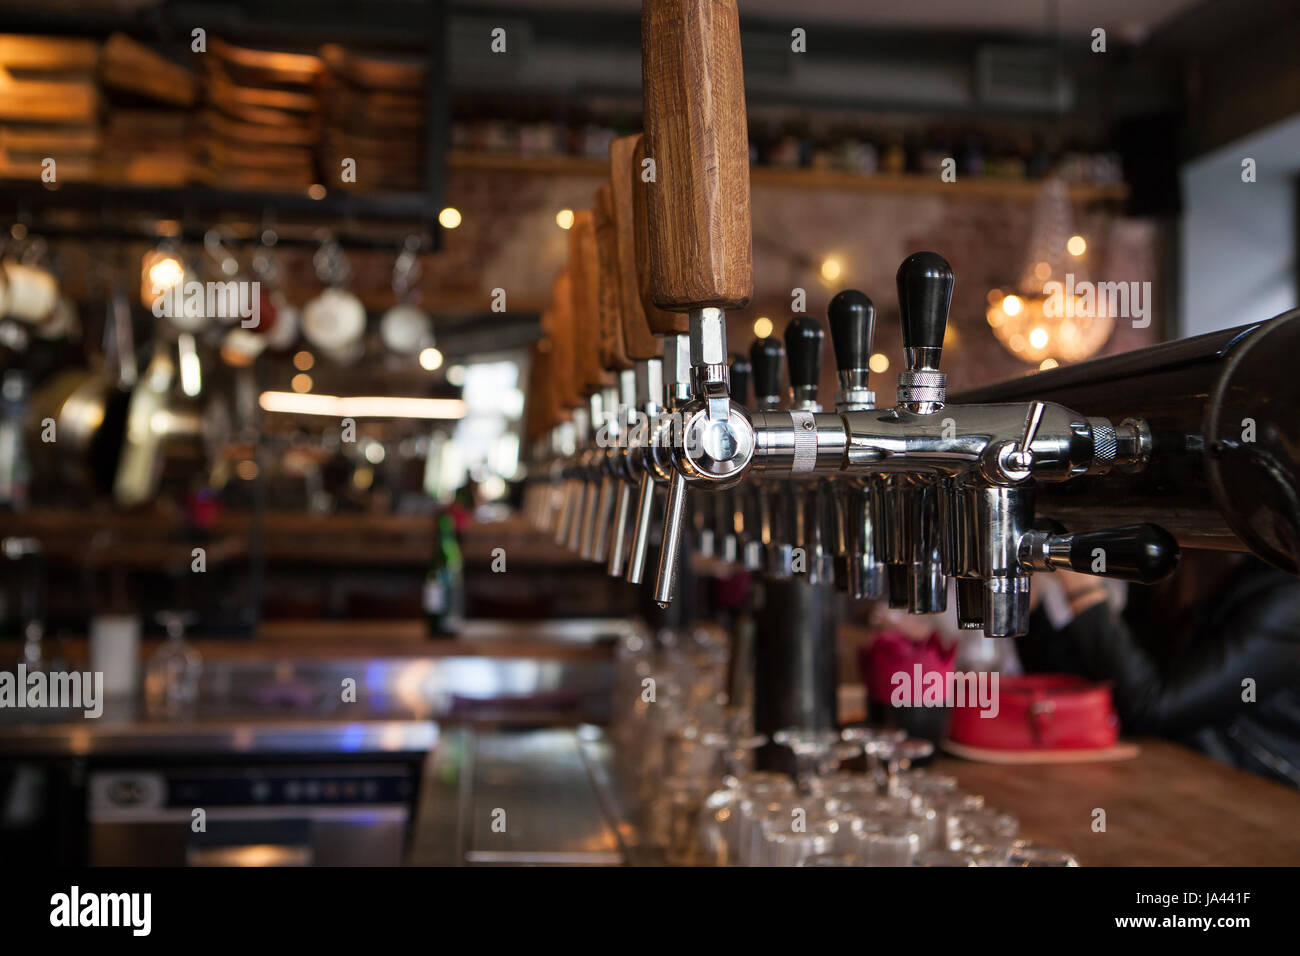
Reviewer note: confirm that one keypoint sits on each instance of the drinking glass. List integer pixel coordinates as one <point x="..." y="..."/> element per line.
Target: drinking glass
<point x="870" y="740"/>
<point x="942" y="858"/>
<point x="1029" y="855"/>
<point x="979" y="826"/>
<point x="831" y="859"/>
<point x="892" y="842"/>
<point x="787" y="838"/>
<point x="814" y="753"/>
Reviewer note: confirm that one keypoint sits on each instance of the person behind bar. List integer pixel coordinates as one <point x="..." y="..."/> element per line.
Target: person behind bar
<point x="1209" y="657"/>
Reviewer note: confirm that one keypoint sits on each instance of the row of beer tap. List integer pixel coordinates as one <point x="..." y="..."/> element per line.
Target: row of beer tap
<point x="634" y="401"/>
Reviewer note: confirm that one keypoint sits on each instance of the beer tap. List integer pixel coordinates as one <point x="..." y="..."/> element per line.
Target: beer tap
<point x="615" y="358"/>
<point x="734" y="529"/>
<point x="858" y="568"/>
<point x="771" y="551"/>
<point x="643" y="400"/>
<point x="699" y="233"/>
<point x="806" y="499"/>
<point x="925" y="283"/>
<point x="660" y="360"/>
<point x="962" y="478"/>
<point x="595" y="380"/>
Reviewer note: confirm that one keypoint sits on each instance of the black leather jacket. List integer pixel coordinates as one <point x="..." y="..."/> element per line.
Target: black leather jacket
<point x="1250" y="629"/>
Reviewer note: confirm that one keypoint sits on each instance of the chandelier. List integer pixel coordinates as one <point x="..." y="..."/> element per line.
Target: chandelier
<point x="1050" y="316"/>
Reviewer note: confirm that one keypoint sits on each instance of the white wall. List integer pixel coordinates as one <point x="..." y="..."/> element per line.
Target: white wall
<point x="1238" y="239"/>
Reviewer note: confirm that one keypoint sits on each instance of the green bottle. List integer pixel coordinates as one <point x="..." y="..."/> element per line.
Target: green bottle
<point x="444" y="585"/>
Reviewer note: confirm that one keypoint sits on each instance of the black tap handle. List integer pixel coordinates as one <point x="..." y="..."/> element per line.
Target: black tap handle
<point x="740" y="374"/>
<point x="924" y="295"/>
<point x="1139" y="552"/>
<point x="853" y="330"/>
<point x="766" y="356"/>
<point x="803" y="349"/>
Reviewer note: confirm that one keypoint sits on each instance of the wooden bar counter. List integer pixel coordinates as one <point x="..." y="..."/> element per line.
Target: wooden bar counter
<point x="1169" y="806"/>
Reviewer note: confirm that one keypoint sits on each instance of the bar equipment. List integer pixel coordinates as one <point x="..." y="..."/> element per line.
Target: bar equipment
<point x="1105" y="468"/>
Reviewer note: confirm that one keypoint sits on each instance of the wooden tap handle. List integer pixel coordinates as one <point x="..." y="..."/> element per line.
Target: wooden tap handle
<point x="661" y="322"/>
<point x="539" y="416"/>
<point x="550" y="391"/>
<point x="693" y="100"/>
<point x="614" y="350"/>
<point x="584" y="265"/>
<point x="563" y="363"/>
<point x="625" y="185"/>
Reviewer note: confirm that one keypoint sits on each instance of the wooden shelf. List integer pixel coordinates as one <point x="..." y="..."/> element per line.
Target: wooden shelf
<point x="1010" y="190"/>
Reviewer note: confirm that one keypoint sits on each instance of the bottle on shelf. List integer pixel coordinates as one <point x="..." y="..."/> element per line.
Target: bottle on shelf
<point x="444" y="585"/>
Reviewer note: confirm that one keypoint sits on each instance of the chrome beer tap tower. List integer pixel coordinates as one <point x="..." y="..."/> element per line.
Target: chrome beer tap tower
<point x="902" y="500"/>
<point x="889" y="502"/>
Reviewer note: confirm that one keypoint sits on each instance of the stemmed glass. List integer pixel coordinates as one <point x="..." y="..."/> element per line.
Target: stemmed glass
<point x="814" y="753"/>
<point x="871" y="740"/>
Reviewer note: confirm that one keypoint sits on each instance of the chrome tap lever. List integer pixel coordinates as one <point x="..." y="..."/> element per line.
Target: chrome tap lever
<point x="619" y="542"/>
<point x="595" y="487"/>
<point x="630" y="410"/>
<point x="1015" y="461"/>
<point x="641" y="529"/>
<point x="608" y="460"/>
<point x="653" y="391"/>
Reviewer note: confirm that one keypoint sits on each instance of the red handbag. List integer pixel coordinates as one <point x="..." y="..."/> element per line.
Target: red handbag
<point x="1041" y="712"/>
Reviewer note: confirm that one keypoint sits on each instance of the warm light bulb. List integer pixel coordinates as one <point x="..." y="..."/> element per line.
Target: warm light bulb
<point x="316" y="191"/>
<point x="564" y="218"/>
<point x="430" y="359"/>
<point x="1038" y="337"/>
<point x="1047" y="363"/>
<point x="449" y="218"/>
<point x="303" y="361"/>
<point x="878" y="363"/>
<point x="165" y="273"/>
<point x="1076" y="246"/>
<point x="762" y="327"/>
<point x="1012" y="305"/>
<point x="301" y="382"/>
<point x="456" y="375"/>
<point x="831" y="269"/>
